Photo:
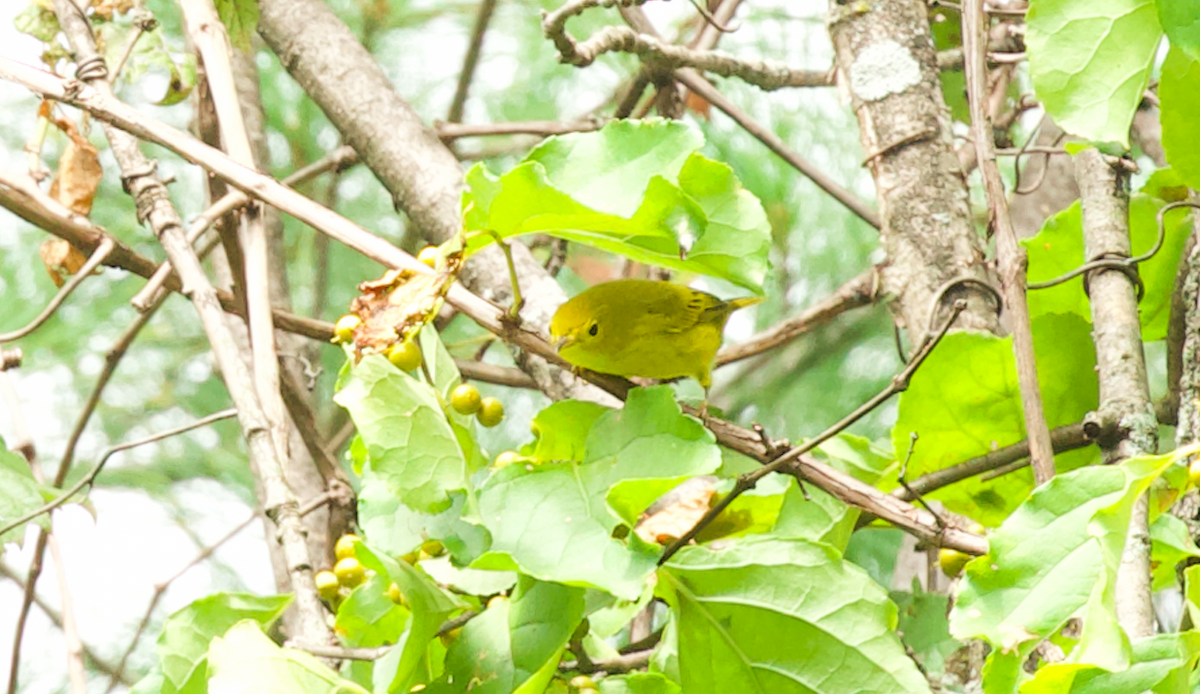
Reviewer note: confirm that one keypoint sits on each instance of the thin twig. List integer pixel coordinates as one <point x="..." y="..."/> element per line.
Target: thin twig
<point x="160" y="588"/>
<point x="694" y="81"/>
<point x="859" y="291"/>
<point x="1011" y="258"/>
<point x="75" y="669"/>
<point x="748" y="481"/>
<point x="20" y="195"/>
<point x="545" y="128"/>
<point x="54" y="616"/>
<point x="471" y="61"/>
<point x="338" y="160"/>
<point x="109" y="452"/>
<point x="94" y="260"/>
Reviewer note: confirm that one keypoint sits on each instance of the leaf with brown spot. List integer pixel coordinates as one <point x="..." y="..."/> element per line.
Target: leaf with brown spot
<point x="394" y="307"/>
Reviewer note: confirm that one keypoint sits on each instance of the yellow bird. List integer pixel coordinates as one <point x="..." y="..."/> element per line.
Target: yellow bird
<point x="644" y="328"/>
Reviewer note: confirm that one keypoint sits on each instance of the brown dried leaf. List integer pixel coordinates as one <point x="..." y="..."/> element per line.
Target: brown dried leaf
<point x="60" y="258"/>
<point x="79" y="172"/>
<point x="395" y="306"/>
<point x="106" y="8"/>
<point x="675" y="519"/>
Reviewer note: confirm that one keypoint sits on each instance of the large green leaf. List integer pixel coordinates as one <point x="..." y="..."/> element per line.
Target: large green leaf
<point x="20" y="494"/>
<point x="515" y="645"/>
<point x="409" y="441"/>
<point x="562" y="429"/>
<point x="1055" y="555"/>
<point x="430" y="607"/>
<point x="1159" y="660"/>
<point x="639" y="189"/>
<point x="1090" y="62"/>
<point x="184" y="643"/>
<point x="244" y="660"/>
<point x="767" y="616"/>
<point x="964" y="401"/>
<point x="1058" y="248"/>
<point x="555" y="521"/>
<point x="397" y="529"/>
<point x="1180" y="20"/>
<point x="1179" y="97"/>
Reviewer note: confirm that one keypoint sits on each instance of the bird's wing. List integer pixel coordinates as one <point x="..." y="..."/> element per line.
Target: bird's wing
<point x="691" y="309"/>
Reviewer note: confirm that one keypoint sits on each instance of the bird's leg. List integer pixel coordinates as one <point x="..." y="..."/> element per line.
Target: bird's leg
<point x="513" y="316"/>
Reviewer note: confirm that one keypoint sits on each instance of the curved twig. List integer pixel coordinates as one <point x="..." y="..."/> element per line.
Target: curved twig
<point x="94" y="260"/>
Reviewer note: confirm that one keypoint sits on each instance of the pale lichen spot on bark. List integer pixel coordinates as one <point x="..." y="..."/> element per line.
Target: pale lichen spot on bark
<point x="883" y="68"/>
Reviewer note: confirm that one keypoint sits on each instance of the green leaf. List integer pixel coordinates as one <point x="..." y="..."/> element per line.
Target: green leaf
<point x="1170" y="543"/>
<point x="409" y="441"/>
<point x="240" y="18"/>
<point x="20" y="494"/>
<point x="37" y="21"/>
<point x="1058" y="249"/>
<point x="924" y="627"/>
<point x="1179" y="97"/>
<point x="183" y="646"/>
<point x="368" y="617"/>
<point x="515" y="645"/>
<point x="430" y="607"/>
<point x="964" y="401"/>
<point x="1152" y="661"/>
<point x="397" y="529"/>
<point x="1180" y="20"/>
<point x="639" y="683"/>
<point x="468" y="580"/>
<point x="1055" y="555"/>
<point x="562" y="429"/>
<point x="245" y="660"/>
<point x="875" y="549"/>
<point x="768" y="616"/>
<point x="555" y="521"/>
<point x="635" y="188"/>
<point x="1090" y="62"/>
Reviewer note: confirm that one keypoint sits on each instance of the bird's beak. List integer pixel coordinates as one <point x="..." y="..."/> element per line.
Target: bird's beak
<point x="564" y="341"/>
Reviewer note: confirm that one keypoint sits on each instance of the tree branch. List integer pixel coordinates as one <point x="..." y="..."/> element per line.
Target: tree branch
<point x="1120" y="364"/>
<point x="1010" y="254"/>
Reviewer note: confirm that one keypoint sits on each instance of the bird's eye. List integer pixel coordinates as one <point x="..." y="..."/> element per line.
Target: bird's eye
<point x="594" y="329"/>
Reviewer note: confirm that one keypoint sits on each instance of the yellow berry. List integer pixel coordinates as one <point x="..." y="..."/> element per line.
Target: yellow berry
<point x="491" y="412"/>
<point x="405" y="355"/>
<point x="465" y="399"/>
<point x="952" y="561"/>
<point x="349" y="572"/>
<point x="1194" y="472"/>
<point x="343" y="331"/>
<point x="345" y="546"/>
<point x="496" y="601"/>
<point x="396" y="596"/>
<point x="506" y="458"/>
<point x="450" y="636"/>
<point x="581" y="682"/>
<point x="327" y="585"/>
<point x="429" y="256"/>
<point x="433" y="548"/>
<point x="411" y="558"/>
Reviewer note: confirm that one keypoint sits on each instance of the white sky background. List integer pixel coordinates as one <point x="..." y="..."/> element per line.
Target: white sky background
<point x="114" y="559"/>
